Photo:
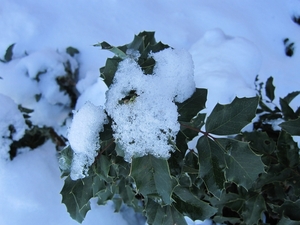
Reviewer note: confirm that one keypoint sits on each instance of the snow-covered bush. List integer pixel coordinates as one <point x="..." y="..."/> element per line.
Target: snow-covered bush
<point x="41" y="100"/>
<point x="142" y="156"/>
<point x="136" y="150"/>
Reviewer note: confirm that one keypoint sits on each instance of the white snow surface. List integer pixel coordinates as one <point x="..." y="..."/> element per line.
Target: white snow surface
<point x="230" y="43"/>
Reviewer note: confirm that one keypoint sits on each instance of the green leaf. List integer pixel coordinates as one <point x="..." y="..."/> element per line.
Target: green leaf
<point x="253" y="207"/>
<point x="116" y="50"/>
<point x="211" y="161"/>
<point x="292" y="126"/>
<point x="65" y="160"/>
<point x="291" y="96"/>
<point x="288" y="151"/>
<point x="287" y="111"/>
<point x="290" y="209"/>
<point x="243" y="166"/>
<point x="9" y="53"/>
<point x="76" y="196"/>
<point x="72" y="51"/>
<point x="231" y="118"/>
<point x="287" y="221"/>
<point x="192" y="206"/>
<point x="190" y="108"/>
<point x="270" y="89"/>
<point x="163" y="215"/>
<point x="152" y="177"/>
<point x="108" y="72"/>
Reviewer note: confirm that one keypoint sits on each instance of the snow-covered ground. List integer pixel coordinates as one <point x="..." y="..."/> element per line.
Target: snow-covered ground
<point x="230" y="43"/>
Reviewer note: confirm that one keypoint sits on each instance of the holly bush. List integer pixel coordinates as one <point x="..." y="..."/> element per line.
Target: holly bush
<point x="232" y="176"/>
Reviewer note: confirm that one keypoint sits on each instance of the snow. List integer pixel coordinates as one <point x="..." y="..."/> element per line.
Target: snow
<point x="230" y="43"/>
<point x="84" y="138"/>
<point x="145" y="123"/>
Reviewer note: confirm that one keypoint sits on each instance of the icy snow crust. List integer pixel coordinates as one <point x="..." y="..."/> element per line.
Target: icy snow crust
<point x="147" y="123"/>
<point x="84" y="138"/>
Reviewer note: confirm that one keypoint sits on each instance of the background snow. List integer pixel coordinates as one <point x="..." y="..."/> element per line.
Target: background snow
<point x="30" y="183"/>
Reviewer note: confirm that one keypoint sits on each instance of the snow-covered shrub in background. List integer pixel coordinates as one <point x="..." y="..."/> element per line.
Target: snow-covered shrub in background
<point x="44" y="93"/>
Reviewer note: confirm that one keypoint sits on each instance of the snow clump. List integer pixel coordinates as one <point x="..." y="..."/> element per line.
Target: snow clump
<point x="142" y="106"/>
<point x="84" y="138"/>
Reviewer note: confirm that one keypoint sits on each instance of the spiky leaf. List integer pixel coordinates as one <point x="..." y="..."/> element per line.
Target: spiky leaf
<point x="190" y="108"/>
<point x="242" y="165"/>
<point x="76" y="196"/>
<point x="231" y="118"/>
<point x="191" y="205"/>
<point x="292" y="126"/>
<point x="270" y="89"/>
<point x="211" y="165"/>
<point x="152" y="177"/>
<point x="163" y="215"/>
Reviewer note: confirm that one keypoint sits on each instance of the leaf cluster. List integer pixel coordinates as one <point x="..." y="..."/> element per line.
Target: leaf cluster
<point x="230" y="176"/>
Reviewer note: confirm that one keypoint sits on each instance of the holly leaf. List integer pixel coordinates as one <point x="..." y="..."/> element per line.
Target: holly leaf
<point x="231" y="118"/>
<point x="152" y="177"/>
<point x="211" y="165"/>
<point x="288" y="151"/>
<point x="76" y="196"/>
<point x="191" y="205"/>
<point x="108" y="71"/>
<point x="243" y="166"/>
<point x="190" y="108"/>
<point x="292" y="126"/>
<point x="291" y="96"/>
<point x="163" y="215"/>
<point x="116" y="50"/>
<point x="270" y="89"/>
<point x="287" y="111"/>
<point x="253" y="208"/>
<point x="9" y="53"/>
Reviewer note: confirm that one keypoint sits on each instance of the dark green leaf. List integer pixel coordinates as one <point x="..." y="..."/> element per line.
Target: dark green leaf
<point x="72" y="51"/>
<point x="9" y="53"/>
<point x="137" y="44"/>
<point x="287" y="221"/>
<point x="231" y="118"/>
<point x="287" y="111"/>
<point x="270" y="88"/>
<point x="290" y="209"/>
<point x="76" y="196"/>
<point x="211" y="161"/>
<point x="292" y="126"/>
<point x="253" y="208"/>
<point x="291" y="96"/>
<point x="288" y="151"/>
<point x="243" y="166"/>
<point x="108" y="72"/>
<point x="152" y="177"/>
<point x="25" y="110"/>
<point x="190" y="108"/>
<point x="163" y="215"/>
<point x="116" y="50"/>
<point x="191" y="205"/>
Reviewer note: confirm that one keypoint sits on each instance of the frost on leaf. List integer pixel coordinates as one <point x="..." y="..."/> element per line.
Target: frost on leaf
<point x="84" y="138"/>
<point x="143" y="109"/>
